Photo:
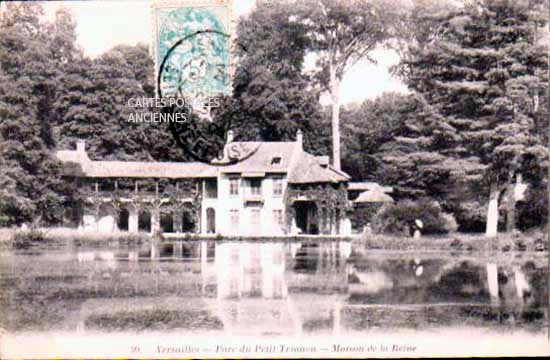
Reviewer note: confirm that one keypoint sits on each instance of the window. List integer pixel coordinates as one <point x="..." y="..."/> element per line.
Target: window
<point x="276" y="161"/>
<point x="255" y="186"/>
<point x="234" y="218"/>
<point x="277" y="187"/>
<point x="234" y="186"/>
<point x="278" y="217"/>
<point x="211" y="187"/>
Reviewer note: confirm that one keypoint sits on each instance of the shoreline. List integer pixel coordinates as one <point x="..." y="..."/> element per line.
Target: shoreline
<point x="534" y="241"/>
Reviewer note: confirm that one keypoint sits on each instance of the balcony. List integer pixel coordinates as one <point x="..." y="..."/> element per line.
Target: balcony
<point x="253" y="195"/>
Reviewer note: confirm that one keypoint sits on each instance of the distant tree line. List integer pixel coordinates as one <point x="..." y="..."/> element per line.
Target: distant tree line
<point x="476" y="115"/>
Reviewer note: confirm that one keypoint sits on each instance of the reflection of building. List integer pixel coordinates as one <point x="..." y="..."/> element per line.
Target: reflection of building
<point x="279" y="189"/>
<point x="261" y="286"/>
<point x="251" y="288"/>
<point x="257" y="270"/>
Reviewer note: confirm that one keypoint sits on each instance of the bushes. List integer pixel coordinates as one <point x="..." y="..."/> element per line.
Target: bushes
<point x="4" y="221"/>
<point x="27" y="238"/>
<point x="533" y="211"/>
<point x="364" y="214"/>
<point x="397" y="218"/>
<point x="471" y="215"/>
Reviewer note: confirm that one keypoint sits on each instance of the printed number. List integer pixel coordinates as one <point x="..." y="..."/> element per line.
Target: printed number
<point x="135" y="349"/>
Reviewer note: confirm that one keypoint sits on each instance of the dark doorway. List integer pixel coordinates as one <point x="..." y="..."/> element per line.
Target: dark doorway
<point x="144" y="221"/>
<point x="188" y="223"/>
<point x="306" y="217"/>
<point x="301" y="216"/>
<point x="123" y="217"/>
<point x="166" y="222"/>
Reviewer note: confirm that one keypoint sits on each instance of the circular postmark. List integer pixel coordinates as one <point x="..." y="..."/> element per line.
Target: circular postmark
<point x="196" y="70"/>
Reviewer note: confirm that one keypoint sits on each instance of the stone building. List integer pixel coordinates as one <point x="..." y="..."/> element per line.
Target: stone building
<point x="279" y="189"/>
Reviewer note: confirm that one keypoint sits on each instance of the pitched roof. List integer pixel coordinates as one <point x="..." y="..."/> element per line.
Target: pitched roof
<point x="307" y="168"/>
<point x="141" y="169"/>
<point x="133" y="169"/>
<point x="262" y="158"/>
<point x="376" y="195"/>
<point x="266" y="157"/>
<point x="364" y="186"/>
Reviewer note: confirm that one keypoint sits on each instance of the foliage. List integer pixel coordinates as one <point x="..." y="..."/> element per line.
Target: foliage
<point x="32" y="55"/>
<point x="24" y="239"/>
<point x="470" y="215"/>
<point x="479" y="69"/>
<point x="269" y="102"/>
<point x="398" y="218"/>
<point x="341" y="33"/>
<point x="533" y="211"/>
<point x="364" y="214"/>
<point x="4" y="221"/>
<point x="95" y="105"/>
<point x="366" y="127"/>
<point x="330" y="202"/>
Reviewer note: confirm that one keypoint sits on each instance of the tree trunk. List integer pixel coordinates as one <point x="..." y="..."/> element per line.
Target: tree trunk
<point x="492" y="213"/>
<point x="335" y="98"/>
<point x="511" y="209"/>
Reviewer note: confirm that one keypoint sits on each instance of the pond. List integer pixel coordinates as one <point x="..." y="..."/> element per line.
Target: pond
<point x="313" y="287"/>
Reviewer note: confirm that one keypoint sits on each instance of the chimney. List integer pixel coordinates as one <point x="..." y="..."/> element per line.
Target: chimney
<point x="81" y="146"/>
<point x="229" y="136"/>
<point x="300" y="138"/>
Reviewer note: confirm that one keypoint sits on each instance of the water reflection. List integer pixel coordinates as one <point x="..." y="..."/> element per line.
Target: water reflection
<point x="267" y="288"/>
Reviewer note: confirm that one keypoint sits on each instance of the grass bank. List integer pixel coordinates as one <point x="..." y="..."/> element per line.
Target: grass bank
<point x="531" y="241"/>
<point x="25" y="238"/>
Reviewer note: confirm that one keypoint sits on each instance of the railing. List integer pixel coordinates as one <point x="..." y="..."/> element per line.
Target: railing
<point x="253" y="196"/>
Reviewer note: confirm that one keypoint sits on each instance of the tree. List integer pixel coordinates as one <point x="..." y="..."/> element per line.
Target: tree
<point x="95" y="105"/>
<point x="30" y="176"/>
<point x="366" y="128"/>
<point x="341" y="33"/>
<point x="269" y="102"/>
<point x="479" y="70"/>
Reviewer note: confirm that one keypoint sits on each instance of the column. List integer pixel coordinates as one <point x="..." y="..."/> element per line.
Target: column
<point x="178" y="250"/>
<point x="155" y="249"/>
<point x="155" y="220"/>
<point x="132" y="220"/>
<point x="177" y="221"/>
<point x="345" y="226"/>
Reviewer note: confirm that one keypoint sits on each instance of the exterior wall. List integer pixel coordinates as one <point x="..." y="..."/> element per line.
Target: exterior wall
<point x="255" y="211"/>
<point x="207" y="203"/>
<point x="246" y="208"/>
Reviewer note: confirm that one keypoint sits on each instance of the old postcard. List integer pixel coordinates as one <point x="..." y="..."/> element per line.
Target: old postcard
<point x="274" y="178"/>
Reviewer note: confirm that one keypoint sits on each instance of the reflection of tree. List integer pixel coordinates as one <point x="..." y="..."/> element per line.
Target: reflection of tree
<point x="445" y="292"/>
<point x="464" y="282"/>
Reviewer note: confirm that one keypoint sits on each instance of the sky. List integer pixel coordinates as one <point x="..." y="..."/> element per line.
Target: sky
<point x="104" y="24"/>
